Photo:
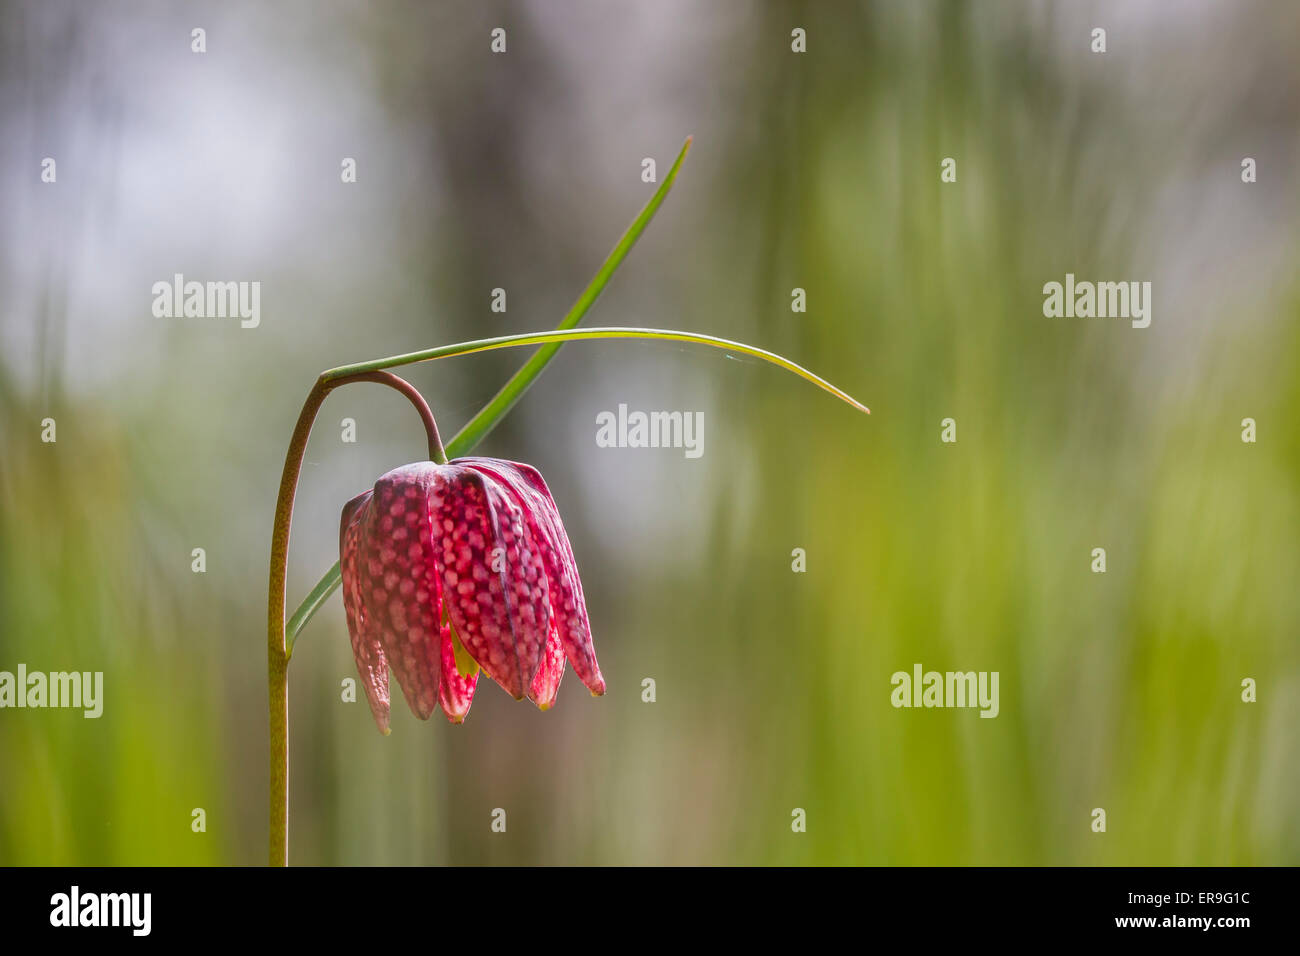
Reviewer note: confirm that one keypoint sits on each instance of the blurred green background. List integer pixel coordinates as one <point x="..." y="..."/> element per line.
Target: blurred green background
<point x="816" y="170"/>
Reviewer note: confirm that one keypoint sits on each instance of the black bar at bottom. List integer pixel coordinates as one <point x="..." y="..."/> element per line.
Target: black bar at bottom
<point x="610" y="907"/>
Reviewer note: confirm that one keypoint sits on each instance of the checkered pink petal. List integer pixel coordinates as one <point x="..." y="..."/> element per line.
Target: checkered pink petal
<point x="456" y="692"/>
<point x="398" y="589"/>
<point x="372" y="667"/>
<point x="476" y="545"/>
<point x="567" y="600"/>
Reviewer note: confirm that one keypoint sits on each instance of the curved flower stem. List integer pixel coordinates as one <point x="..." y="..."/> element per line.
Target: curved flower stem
<point x="374" y="371"/>
<point x="437" y="453"/>
<point x="276" y="651"/>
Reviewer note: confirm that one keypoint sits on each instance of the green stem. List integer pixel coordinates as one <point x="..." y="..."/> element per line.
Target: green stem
<point x="278" y="647"/>
<point x="277" y="651"/>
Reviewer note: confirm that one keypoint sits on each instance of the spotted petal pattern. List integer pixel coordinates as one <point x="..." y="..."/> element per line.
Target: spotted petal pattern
<point x="476" y="545"/>
<point x="567" y="600"/>
<point x="456" y="692"/>
<point x="367" y="650"/>
<point x="398" y="588"/>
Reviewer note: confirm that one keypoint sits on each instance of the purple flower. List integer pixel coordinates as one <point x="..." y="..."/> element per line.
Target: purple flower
<point x="448" y="569"/>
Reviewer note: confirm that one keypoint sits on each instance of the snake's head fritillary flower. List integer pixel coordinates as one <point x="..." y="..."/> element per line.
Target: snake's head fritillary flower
<point x="449" y="569"/>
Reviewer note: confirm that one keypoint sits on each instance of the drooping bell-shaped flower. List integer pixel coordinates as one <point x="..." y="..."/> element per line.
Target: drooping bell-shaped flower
<point x="448" y="569"/>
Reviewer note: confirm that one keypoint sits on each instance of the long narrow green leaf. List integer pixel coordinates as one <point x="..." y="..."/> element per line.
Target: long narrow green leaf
<point x="478" y="427"/>
<point x="321" y="591"/>
<point x="551" y="339"/>
<point x="587" y="335"/>
<point x="504" y="400"/>
<point x="311" y="604"/>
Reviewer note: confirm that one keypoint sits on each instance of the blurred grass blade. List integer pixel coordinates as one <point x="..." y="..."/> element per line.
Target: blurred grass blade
<point x="478" y="427"/>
